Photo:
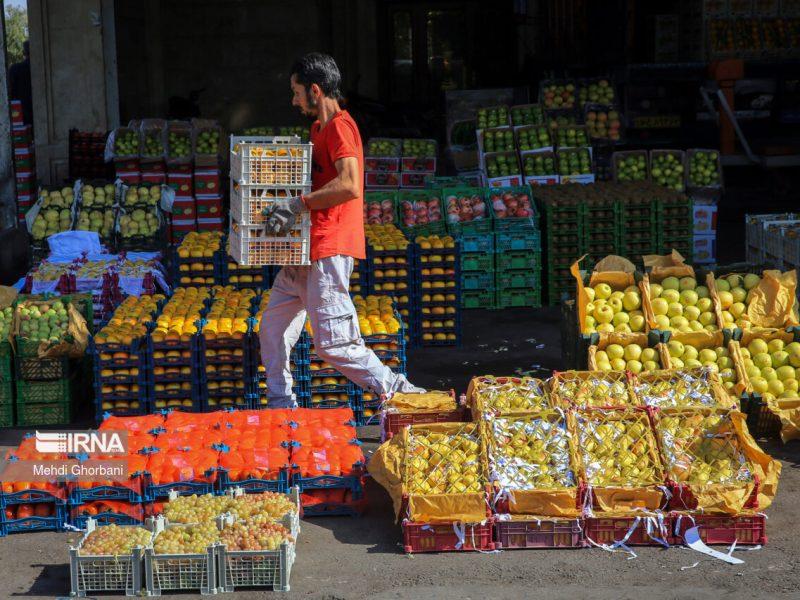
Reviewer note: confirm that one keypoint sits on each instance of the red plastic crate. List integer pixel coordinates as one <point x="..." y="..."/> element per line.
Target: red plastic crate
<point x="608" y="530"/>
<point x="443" y="537"/>
<point x="552" y="533"/>
<point x="381" y="180"/>
<point x="127" y="166"/>
<point x="392" y="423"/>
<point x="747" y="530"/>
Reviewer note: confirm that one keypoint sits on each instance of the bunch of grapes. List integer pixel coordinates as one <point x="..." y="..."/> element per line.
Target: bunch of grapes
<point x="186" y="539"/>
<point x="114" y="540"/>
<point x="258" y="533"/>
<point x="268" y="504"/>
<point x="195" y="509"/>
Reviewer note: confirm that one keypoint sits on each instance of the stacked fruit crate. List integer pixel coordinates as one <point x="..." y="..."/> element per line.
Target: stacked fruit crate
<point x="390" y="266"/>
<point x="263" y="171"/>
<point x="438" y="320"/>
<point x="122" y="365"/>
<point x="6" y="379"/>
<point x="43" y="385"/>
<point x="637" y="217"/>
<point x="675" y="224"/>
<point x="417" y="162"/>
<point x="382" y="164"/>
<point x="518" y="247"/>
<point x="222" y="346"/>
<point x="176" y="356"/>
<point x="24" y="160"/>
<point x="195" y="260"/>
<point x="477" y="270"/>
<point x="565" y="223"/>
<point x="602" y="219"/>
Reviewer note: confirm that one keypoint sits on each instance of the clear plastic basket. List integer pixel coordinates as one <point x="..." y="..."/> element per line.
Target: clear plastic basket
<point x="249" y="201"/>
<point x="276" y="160"/>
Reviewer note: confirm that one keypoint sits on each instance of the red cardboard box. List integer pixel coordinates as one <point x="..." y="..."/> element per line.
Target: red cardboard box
<point x="209" y="208"/>
<point x="181" y="183"/>
<point x="184" y="210"/>
<point x="158" y="177"/>
<point x="210" y="224"/>
<point x="207" y="182"/>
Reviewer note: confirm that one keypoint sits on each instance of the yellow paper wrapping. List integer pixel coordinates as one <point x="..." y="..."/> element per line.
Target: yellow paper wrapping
<point x="669" y="265"/>
<point x="628" y="500"/>
<point x="387" y="467"/>
<point x="432" y="401"/>
<point x="788" y="411"/>
<point x="715" y="302"/>
<point x="437" y="508"/>
<point x="550" y="503"/>
<point x="773" y="300"/>
<point x="764" y="466"/>
<point x="618" y="273"/>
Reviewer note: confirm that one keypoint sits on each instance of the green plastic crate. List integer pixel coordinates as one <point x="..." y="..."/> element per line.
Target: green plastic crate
<point x="6" y="393"/>
<point x="6" y="373"/>
<point x="7" y="415"/>
<point x="517" y="259"/>
<point x="522" y="297"/>
<point x="518" y="279"/>
<point x="471" y="299"/>
<point x="43" y="392"/>
<point x="482" y="261"/>
<point x="54" y="413"/>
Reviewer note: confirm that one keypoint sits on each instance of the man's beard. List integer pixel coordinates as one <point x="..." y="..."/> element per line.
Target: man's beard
<point x="312" y="111"/>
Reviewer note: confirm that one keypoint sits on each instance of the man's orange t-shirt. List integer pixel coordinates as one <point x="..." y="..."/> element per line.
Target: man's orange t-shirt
<point x="338" y="229"/>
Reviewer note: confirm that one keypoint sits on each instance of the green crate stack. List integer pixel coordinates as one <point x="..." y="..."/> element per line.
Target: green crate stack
<point x="518" y="273"/>
<point x="477" y="271"/>
<point x="675" y="224"/>
<point x="6" y="386"/>
<point x="565" y="242"/>
<point x="603" y="227"/>
<point x="637" y="218"/>
<point x="44" y="385"/>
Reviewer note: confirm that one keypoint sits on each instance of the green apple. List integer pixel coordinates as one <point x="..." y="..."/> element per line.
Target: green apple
<point x="662" y="322"/>
<point x="590" y="293"/>
<point x="780" y="358"/>
<point x="675" y="348"/>
<point x="671" y="283"/>
<point x="631" y="301"/>
<point x="785" y="372"/>
<point x="649" y="354"/>
<point x="692" y="313"/>
<point x="634" y="366"/>
<point x="689" y="297"/>
<point x="621" y="318"/>
<point x="757" y="346"/>
<point x="633" y="352"/>
<point x="760" y="385"/>
<point x="637" y="323"/>
<point x="618" y="364"/>
<point x="775" y="387"/>
<point x="705" y="304"/>
<point x="751" y="280"/>
<point x="762" y="360"/>
<point x="677" y="363"/>
<point x="603" y="314"/>
<point x="660" y="306"/>
<point x="655" y="290"/>
<point x="615" y="351"/>
<point x="671" y="295"/>
<point x="725" y="299"/>
<point x="776" y="345"/>
<point x="702" y="291"/>
<point x="602" y="290"/>
<point x="722" y="285"/>
<point x="675" y="309"/>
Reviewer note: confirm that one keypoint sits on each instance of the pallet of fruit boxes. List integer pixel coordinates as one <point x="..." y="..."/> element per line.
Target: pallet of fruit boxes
<point x="390" y="266"/>
<point x="477" y="270"/>
<point x="400" y="410"/>
<point x="140" y="223"/>
<point x="755" y="230"/>
<point x="438" y="321"/>
<point x="417" y="162"/>
<point x="437" y="476"/>
<point x="6" y="374"/>
<point x="564" y="231"/>
<point x="382" y="163"/>
<point x="420" y="212"/>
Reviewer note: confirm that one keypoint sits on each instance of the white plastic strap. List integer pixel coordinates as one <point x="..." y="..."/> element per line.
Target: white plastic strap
<point x="460" y="530"/>
<point x="620" y="545"/>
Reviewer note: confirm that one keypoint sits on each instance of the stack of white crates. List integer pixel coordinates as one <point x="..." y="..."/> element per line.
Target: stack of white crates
<point x="774" y="240"/>
<point x="263" y="170"/>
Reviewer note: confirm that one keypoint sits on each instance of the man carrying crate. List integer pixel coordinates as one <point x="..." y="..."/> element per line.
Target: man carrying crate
<point x="336" y="203"/>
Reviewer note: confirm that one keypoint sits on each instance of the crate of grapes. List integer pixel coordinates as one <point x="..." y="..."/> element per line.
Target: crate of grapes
<point x="108" y="559"/>
<point x="269" y="568"/>
<point x="182" y="557"/>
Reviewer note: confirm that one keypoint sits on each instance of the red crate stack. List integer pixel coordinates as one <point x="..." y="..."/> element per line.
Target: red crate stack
<point x="24" y="163"/>
<point x="87" y="155"/>
<point x="184" y="209"/>
<point x="208" y="195"/>
<point x="129" y="170"/>
<point x="154" y="172"/>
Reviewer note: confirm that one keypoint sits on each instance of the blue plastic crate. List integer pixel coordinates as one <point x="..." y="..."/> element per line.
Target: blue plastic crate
<point x="139" y="351"/>
<point x="32" y="524"/>
<point x="483" y="242"/>
<point x="330" y="482"/>
<point x="477" y="280"/>
<point x="512" y="240"/>
<point x="253" y="486"/>
<point x="29" y="497"/>
<point x="153" y="492"/>
<point x="102" y="519"/>
<point x="116" y="493"/>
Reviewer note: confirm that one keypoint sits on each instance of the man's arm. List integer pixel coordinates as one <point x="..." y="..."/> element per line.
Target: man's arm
<point x="344" y="187"/>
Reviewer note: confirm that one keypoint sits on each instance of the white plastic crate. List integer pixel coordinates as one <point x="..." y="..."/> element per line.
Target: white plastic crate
<point x="249" y="201"/>
<point x="275" y="160"/>
<point x="172" y="572"/>
<point x="754" y="227"/>
<point x="248" y="248"/>
<point x="99" y="573"/>
<point x="256" y="568"/>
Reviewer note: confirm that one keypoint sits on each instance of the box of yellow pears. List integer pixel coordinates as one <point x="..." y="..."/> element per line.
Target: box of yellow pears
<point x="435" y="472"/>
<point x="491" y="395"/>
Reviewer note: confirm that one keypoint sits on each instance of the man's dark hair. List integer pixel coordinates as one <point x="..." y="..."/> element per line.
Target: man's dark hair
<point x="320" y="69"/>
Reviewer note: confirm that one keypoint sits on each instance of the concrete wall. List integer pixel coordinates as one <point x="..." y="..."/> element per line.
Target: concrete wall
<point x="73" y="76"/>
<point x="240" y="51"/>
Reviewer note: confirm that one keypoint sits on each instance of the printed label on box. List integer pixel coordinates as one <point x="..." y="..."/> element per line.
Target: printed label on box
<point x="505" y="181"/>
<point x="542" y="180"/>
<point x="705" y="219"/>
<point x="705" y="249"/>
<point x="582" y="179"/>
